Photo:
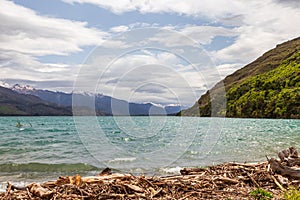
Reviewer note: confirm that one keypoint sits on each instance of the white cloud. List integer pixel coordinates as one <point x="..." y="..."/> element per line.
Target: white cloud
<point x="255" y="25"/>
<point x="118" y="29"/>
<point x="226" y="69"/>
<point x="260" y="25"/>
<point x="265" y="25"/>
<point x="190" y="35"/>
<point x="24" y="31"/>
<point x="25" y="67"/>
<point x="203" y="8"/>
<point x="150" y="59"/>
<point x="140" y="75"/>
<point x="25" y="35"/>
<point x="205" y="34"/>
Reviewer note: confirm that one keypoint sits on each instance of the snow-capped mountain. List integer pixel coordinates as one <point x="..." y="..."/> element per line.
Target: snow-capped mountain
<point x="13" y="103"/>
<point x="104" y="105"/>
<point x="4" y="84"/>
<point x="24" y="89"/>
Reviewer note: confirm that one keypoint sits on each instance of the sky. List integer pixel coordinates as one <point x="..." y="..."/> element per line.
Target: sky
<point x="165" y="52"/>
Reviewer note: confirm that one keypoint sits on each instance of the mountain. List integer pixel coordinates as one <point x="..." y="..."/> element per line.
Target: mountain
<point x="14" y="103"/>
<point x="104" y="105"/>
<point x="269" y="87"/>
<point x="173" y="109"/>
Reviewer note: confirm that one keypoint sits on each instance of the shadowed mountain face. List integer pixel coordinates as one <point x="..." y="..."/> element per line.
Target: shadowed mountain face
<point x="13" y="103"/>
<point x="269" y="87"/>
<point x="85" y="104"/>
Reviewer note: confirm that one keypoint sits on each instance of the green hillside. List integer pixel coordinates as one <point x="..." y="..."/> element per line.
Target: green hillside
<point x="275" y="94"/>
<point x="266" y="88"/>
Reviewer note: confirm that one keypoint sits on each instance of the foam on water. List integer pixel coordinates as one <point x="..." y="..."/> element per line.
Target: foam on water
<point x="122" y="160"/>
<point x="3" y="185"/>
<point x="172" y="170"/>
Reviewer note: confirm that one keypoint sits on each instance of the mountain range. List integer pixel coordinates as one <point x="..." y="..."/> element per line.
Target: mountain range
<point x="23" y="100"/>
<point x="12" y="103"/>
<point x="269" y="87"/>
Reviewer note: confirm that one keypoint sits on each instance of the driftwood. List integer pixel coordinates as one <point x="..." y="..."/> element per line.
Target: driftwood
<point x="293" y="162"/>
<point x="106" y="171"/>
<point x="286" y="154"/>
<point x="230" y="180"/>
<point x="288" y="161"/>
<point x="227" y="181"/>
<point x="190" y="171"/>
<point x="289" y="156"/>
<point x="278" y="167"/>
<point x="40" y="191"/>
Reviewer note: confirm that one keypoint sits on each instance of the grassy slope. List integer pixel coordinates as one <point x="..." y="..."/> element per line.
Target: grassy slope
<point x="277" y="57"/>
<point x="274" y="94"/>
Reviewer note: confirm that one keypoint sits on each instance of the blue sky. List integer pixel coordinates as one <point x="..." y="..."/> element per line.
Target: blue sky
<point x="166" y="52"/>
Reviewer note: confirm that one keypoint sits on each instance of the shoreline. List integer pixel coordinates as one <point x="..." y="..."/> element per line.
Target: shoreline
<point x="224" y="181"/>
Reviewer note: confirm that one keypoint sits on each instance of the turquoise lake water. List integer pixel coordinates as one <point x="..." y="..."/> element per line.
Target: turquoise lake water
<point x="47" y="147"/>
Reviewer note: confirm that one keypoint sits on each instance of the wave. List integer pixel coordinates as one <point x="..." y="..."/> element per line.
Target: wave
<point x="43" y="167"/>
<point x="171" y="170"/>
<point x="122" y="160"/>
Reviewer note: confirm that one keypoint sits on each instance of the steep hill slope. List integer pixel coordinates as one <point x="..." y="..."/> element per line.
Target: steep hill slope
<point x="267" y="87"/>
<point x="13" y="103"/>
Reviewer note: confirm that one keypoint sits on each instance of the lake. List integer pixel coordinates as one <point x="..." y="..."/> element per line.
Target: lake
<point x="47" y="147"/>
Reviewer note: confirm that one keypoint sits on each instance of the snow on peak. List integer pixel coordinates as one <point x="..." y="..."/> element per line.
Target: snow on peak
<point x="84" y="93"/>
<point x="22" y="88"/>
<point x="4" y="84"/>
<point x="161" y="105"/>
<point x="152" y="104"/>
<point x="157" y="105"/>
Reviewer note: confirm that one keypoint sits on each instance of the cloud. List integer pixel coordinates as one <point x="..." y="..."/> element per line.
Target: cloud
<point x="170" y="36"/>
<point x="149" y="75"/>
<point x="205" y="34"/>
<point x="253" y="26"/>
<point x="118" y="29"/>
<point x="202" y="35"/>
<point x="150" y="88"/>
<point x="291" y="3"/>
<point x="204" y="8"/>
<point x="24" y="31"/>
<point x="265" y="25"/>
<point x="183" y="71"/>
<point x="228" y="68"/>
<point x="258" y="25"/>
<point x="15" y="65"/>
<point x="26" y="35"/>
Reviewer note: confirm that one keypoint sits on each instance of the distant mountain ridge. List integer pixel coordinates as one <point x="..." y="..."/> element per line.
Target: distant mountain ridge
<point x="269" y="87"/>
<point x="14" y="104"/>
<point x="104" y="105"/>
